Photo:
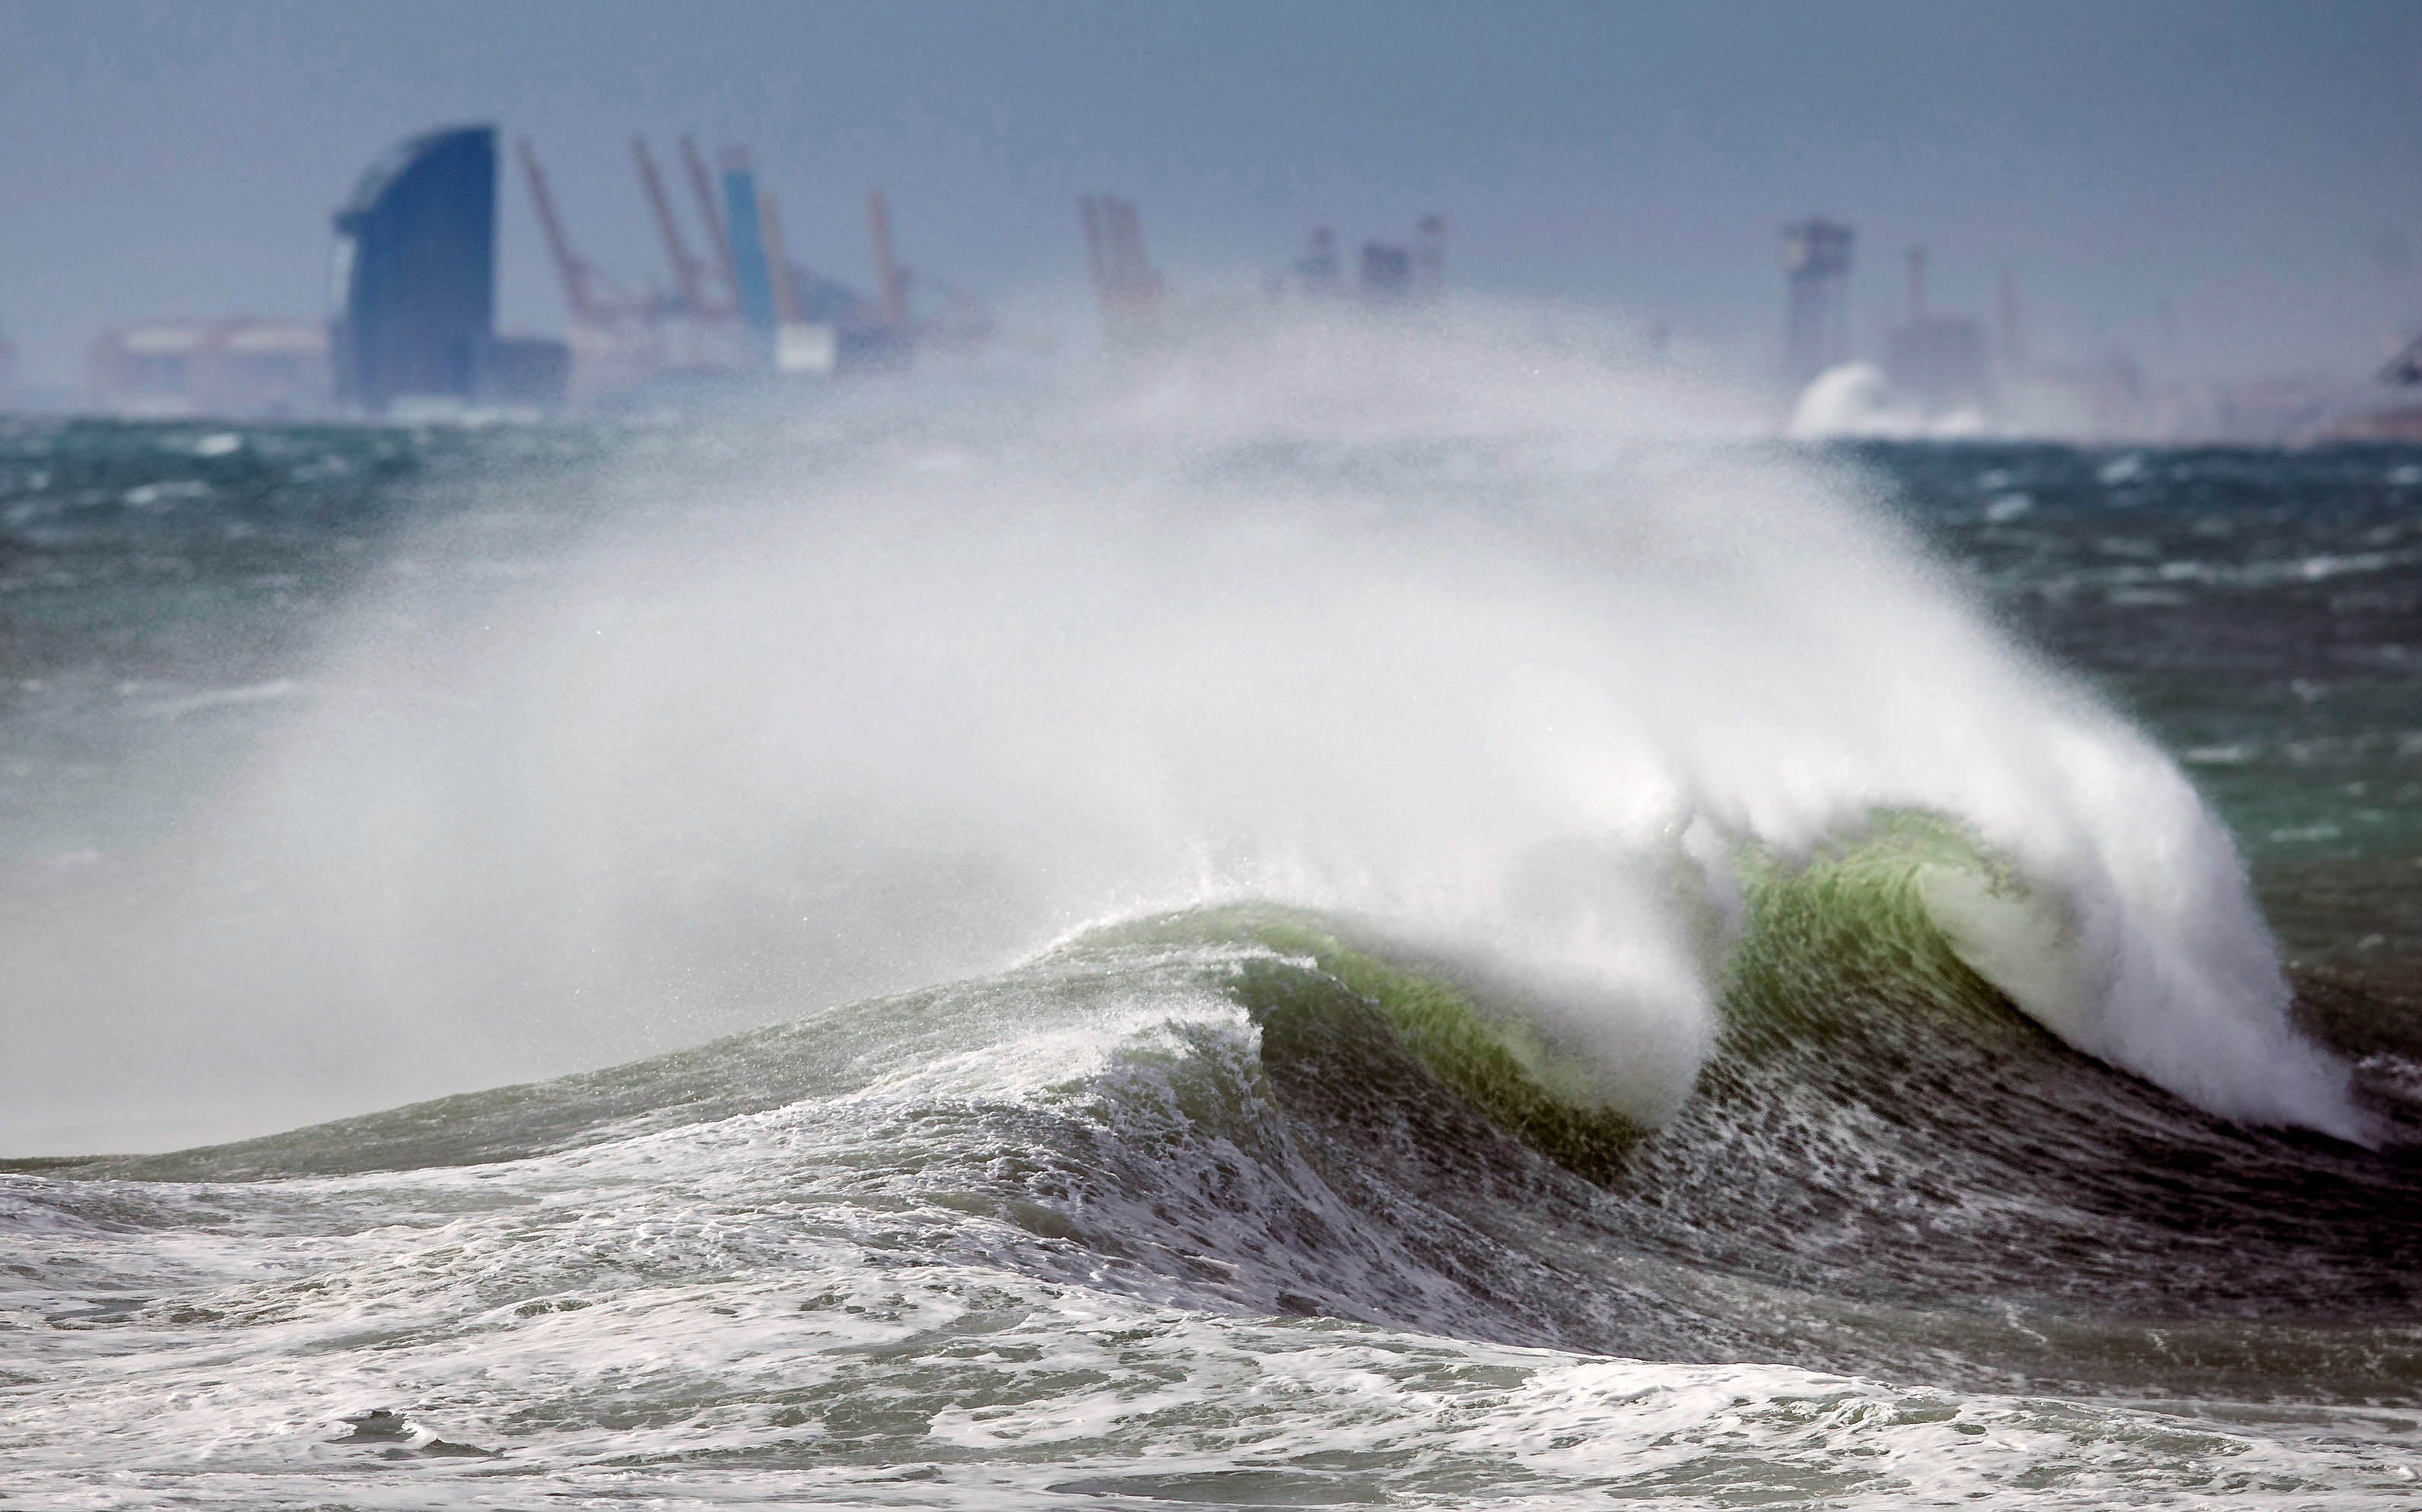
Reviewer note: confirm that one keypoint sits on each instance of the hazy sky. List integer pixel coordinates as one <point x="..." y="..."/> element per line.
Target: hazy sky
<point x="2257" y="167"/>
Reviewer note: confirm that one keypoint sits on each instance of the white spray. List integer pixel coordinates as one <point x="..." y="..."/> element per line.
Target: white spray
<point x="1464" y="630"/>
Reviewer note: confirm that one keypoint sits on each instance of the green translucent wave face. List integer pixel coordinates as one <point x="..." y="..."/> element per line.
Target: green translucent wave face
<point x="1329" y="978"/>
<point x="1845" y="933"/>
<point x="1832" y="945"/>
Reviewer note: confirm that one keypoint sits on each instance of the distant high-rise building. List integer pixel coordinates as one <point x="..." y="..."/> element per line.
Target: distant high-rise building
<point x="415" y="271"/>
<point x="2012" y="332"/>
<point x="1939" y="360"/>
<point x="1817" y="266"/>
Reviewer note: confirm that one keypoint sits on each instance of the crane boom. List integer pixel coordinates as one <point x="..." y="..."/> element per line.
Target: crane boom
<point x="895" y="289"/>
<point x="687" y="273"/>
<point x="568" y="265"/>
<point x="703" y="187"/>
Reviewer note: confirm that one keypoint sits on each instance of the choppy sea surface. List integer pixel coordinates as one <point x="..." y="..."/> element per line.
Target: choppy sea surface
<point x="1205" y="950"/>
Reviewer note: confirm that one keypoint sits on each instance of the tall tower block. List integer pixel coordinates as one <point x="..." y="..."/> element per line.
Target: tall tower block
<point x="416" y="270"/>
<point x="1817" y="269"/>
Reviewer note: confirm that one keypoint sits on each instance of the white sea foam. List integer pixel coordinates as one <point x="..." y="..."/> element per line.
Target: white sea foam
<point x="220" y="697"/>
<point x="796" y="1306"/>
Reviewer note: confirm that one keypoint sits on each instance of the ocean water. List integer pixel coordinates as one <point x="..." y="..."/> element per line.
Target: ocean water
<point x="1359" y="918"/>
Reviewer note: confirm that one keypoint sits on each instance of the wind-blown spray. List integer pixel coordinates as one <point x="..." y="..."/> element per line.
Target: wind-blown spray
<point x="1484" y="637"/>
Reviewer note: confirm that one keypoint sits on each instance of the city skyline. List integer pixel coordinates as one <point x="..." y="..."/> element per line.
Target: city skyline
<point x="2212" y="188"/>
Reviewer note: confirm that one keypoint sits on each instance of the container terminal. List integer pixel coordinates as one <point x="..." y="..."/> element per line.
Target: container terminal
<point x="411" y="328"/>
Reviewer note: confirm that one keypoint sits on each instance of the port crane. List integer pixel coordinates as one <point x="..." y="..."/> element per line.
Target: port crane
<point x="607" y="309"/>
<point x="689" y="273"/>
<point x="702" y="313"/>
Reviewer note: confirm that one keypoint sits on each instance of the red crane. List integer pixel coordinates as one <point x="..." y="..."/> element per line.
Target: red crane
<point x="689" y="273"/>
<point x="579" y="285"/>
<point x="703" y="187"/>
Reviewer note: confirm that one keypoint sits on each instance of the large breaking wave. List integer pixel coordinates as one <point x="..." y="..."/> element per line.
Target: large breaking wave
<point x="1427" y="625"/>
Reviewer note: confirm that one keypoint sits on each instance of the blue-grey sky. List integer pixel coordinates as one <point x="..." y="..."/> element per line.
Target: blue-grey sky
<point x="2254" y="168"/>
